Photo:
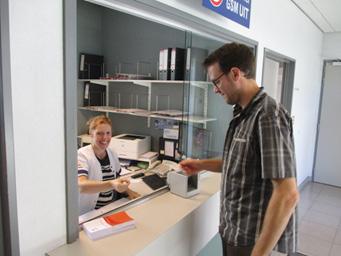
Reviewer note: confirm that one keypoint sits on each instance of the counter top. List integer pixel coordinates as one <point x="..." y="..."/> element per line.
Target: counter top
<point x="164" y="222"/>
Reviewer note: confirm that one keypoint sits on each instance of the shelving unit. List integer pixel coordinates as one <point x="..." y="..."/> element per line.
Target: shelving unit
<point x="125" y="41"/>
<point x="105" y="109"/>
<point x="148" y="113"/>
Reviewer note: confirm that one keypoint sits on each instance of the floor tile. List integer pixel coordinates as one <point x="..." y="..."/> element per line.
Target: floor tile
<point x="337" y="239"/>
<point x="322" y="218"/>
<point x="301" y="212"/>
<point x="284" y="254"/>
<point x="334" y="200"/>
<point x="277" y="254"/>
<point x="308" y="195"/>
<point x="335" y="251"/>
<point x="314" y="187"/>
<point x="331" y="191"/>
<point x="306" y="200"/>
<point x="317" y="230"/>
<point x="312" y="246"/>
<point x="326" y="207"/>
<point x="319" y="216"/>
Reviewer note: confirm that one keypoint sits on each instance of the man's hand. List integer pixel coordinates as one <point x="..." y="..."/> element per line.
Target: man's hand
<point x="191" y="166"/>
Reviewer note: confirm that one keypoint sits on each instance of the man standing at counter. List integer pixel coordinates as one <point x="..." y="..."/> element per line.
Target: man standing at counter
<point x="258" y="189"/>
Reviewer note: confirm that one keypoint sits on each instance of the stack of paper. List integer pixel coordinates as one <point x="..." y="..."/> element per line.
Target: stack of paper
<point x="149" y="155"/>
<point x="169" y="112"/>
<point x="108" y="225"/>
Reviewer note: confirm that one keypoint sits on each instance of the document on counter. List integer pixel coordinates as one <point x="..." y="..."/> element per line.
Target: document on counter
<point x="108" y="225"/>
<point x="95" y="213"/>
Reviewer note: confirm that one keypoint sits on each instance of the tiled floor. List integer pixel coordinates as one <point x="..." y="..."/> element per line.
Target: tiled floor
<point x="319" y="227"/>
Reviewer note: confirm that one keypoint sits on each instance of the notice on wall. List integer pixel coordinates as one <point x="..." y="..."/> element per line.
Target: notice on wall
<point x="236" y="10"/>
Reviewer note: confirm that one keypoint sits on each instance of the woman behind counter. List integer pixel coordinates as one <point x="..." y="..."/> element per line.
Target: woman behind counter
<point x="99" y="169"/>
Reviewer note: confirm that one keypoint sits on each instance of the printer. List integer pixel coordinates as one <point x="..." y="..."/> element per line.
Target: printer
<point x="130" y="146"/>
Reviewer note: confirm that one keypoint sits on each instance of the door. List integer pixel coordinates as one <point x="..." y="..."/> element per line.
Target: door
<point x="278" y="77"/>
<point x="273" y="78"/>
<point x="328" y="152"/>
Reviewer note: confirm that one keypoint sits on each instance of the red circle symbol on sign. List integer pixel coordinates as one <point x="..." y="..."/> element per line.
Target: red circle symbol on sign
<point x="216" y="3"/>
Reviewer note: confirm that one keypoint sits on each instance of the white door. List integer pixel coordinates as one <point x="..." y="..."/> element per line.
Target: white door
<point x="328" y="153"/>
<point x="273" y="78"/>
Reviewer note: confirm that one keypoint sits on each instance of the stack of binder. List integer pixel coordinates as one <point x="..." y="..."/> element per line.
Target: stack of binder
<point x="177" y="67"/>
<point x="94" y="94"/>
<point x="172" y="64"/>
<point x="164" y="64"/>
<point x="91" y="66"/>
<point x="175" y="63"/>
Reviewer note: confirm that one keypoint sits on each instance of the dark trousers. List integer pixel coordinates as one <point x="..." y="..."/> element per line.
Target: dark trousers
<point x="229" y="250"/>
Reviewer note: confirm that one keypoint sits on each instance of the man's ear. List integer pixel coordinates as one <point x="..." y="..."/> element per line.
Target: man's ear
<point x="236" y="73"/>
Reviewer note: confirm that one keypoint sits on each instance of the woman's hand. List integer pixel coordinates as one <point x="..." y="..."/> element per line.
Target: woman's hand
<point x="132" y="194"/>
<point x="120" y="185"/>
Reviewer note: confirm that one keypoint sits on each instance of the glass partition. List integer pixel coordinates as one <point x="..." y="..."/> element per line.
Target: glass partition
<point x="148" y="79"/>
<point x="203" y="139"/>
<point x="131" y="70"/>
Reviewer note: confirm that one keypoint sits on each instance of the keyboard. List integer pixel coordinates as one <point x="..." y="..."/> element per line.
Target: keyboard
<point x="154" y="181"/>
<point x="161" y="169"/>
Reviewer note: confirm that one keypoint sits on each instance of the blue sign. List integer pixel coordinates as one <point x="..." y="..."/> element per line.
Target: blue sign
<point x="236" y="10"/>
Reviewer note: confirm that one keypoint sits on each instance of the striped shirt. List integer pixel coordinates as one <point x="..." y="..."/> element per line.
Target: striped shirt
<point x="109" y="196"/>
<point x="258" y="147"/>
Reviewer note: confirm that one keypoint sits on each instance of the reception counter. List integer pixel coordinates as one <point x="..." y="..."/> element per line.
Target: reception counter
<point x="165" y="225"/>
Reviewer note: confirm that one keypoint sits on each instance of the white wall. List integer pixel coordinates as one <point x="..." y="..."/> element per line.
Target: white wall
<point x="331" y="46"/>
<point x="37" y="91"/>
<point x="281" y="27"/>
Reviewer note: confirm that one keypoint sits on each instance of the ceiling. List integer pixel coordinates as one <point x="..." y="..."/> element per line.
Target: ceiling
<point x="325" y="14"/>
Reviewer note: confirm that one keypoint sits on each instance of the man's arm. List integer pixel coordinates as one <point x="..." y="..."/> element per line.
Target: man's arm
<point x="281" y="206"/>
<point x="192" y="166"/>
<point x="213" y="165"/>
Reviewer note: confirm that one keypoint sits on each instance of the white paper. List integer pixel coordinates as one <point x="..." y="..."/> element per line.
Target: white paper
<point x="169" y="148"/>
<point x="124" y="171"/>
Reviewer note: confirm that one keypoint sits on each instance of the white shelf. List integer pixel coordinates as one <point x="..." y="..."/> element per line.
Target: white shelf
<point x="146" y="113"/>
<point x="107" y="109"/>
<point x="146" y="83"/>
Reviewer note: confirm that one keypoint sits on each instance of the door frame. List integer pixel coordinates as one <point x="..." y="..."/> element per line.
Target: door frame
<point x="325" y="62"/>
<point x="289" y="75"/>
<point x="9" y="236"/>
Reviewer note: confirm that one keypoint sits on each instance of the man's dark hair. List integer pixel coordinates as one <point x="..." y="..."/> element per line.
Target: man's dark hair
<point x="233" y="55"/>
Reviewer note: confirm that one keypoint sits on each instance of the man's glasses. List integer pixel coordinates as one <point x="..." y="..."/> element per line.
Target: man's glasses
<point x="216" y="80"/>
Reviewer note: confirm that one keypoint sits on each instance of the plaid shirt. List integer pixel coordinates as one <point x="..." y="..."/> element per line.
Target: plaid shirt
<point x="258" y="147"/>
